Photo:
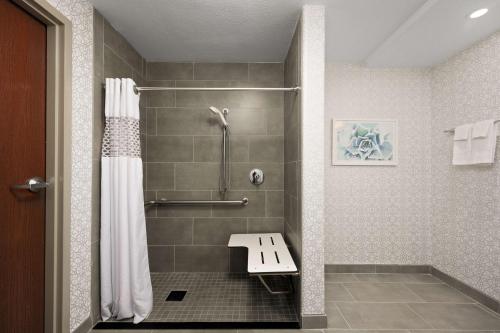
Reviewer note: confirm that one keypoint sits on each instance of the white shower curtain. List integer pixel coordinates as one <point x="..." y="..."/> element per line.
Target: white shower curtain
<point x="125" y="280"/>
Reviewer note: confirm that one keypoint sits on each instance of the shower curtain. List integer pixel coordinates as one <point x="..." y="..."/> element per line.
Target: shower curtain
<point x="125" y="280"/>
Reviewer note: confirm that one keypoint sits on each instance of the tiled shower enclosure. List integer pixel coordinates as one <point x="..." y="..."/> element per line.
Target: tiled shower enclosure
<point x="182" y="156"/>
<point x="181" y="151"/>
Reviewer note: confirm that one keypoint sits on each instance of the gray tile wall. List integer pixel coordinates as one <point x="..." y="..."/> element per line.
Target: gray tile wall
<point x="113" y="57"/>
<point x="182" y="156"/>
<point x="181" y="152"/>
<point x="292" y="149"/>
<point x="292" y="156"/>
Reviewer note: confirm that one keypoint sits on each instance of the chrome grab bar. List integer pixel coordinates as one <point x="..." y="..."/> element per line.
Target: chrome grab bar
<point x="165" y="202"/>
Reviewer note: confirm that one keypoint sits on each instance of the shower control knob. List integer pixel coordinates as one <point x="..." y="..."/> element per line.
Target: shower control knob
<point x="256" y="176"/>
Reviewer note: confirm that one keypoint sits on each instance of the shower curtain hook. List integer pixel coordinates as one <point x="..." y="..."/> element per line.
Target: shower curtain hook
<point x="136" y="91"/>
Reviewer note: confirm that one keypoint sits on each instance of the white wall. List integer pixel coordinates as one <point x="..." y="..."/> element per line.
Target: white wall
<point x="424" y="211"/>
<point x="380" y="214"/>
<point x="79" y="12"/>
<point x="466" y="200"/>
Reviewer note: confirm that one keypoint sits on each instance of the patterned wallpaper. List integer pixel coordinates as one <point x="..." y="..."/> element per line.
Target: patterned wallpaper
<point x="313" y="181"/>
<point x="80" y="12"/>
<point x="424" y="211"/>
<point x="380" y="214"/>
<point x="466" y="199"/>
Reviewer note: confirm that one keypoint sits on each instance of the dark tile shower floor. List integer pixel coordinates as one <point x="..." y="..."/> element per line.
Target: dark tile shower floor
<point x="223" y="297"/>
<point x="366" y="303"/>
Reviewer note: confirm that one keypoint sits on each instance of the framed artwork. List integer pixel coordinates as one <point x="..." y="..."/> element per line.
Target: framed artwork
<point x="364" y="142"/>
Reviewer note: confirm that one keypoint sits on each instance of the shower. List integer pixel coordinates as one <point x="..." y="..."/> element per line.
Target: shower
<point x="222" y="116"/>
<point x="224" y="180"/>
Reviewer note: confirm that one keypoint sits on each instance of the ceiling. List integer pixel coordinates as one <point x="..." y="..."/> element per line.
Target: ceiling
<point x="377" y="33"/>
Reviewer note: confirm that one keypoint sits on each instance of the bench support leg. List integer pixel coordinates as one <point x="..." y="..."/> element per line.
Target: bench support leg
<point x="277" y="292"/>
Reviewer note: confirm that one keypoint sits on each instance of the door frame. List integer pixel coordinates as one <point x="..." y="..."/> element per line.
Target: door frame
<point x="58" y="163"/>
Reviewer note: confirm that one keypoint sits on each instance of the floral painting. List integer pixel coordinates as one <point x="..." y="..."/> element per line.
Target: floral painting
<point x="364" y="142"/>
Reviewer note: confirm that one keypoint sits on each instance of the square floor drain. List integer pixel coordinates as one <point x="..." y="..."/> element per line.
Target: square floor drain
<point x="176" y="295"/>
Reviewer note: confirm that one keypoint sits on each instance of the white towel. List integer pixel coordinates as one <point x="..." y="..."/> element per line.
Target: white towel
<point x="462" y="145"/>
<point x="484" y="139"/>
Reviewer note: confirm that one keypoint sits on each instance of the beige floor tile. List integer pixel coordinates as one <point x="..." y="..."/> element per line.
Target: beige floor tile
<point x="422" y="278"/>
<point x="195" y="331"/>
<point x="340" y="277"/>
<point x="335" y="319"/>
<point x="381" y="316"/>
<point x="366" y="331"/>
<point x="120" y="331"/>
<point x="457" y="316"/>
<point x="397" y="277"/>
<point x="337" y="292"/>
<point x="279" y="331"/>
<point x="381" y="292"/>
<point x="448" y="331"/>
<point x="382" y="277"/>
<point x="439" y="293"/>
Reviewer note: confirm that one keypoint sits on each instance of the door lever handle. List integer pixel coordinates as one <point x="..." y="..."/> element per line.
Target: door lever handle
<point x="35" y="184"/>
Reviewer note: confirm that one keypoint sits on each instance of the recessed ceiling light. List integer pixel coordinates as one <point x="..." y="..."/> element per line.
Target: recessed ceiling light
<point x="478" y="13"/>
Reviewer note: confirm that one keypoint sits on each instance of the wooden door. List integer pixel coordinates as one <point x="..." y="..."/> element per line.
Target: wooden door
<point x="22" y="156"/>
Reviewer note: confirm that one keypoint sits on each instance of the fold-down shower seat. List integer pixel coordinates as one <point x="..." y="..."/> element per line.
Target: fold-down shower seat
<point x="267" y="255"/>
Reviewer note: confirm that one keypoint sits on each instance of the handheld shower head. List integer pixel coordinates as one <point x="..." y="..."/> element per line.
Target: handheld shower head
<point x="221" y="116"/>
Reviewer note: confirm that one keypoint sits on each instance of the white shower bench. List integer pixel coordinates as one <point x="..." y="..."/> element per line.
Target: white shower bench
<point x="267" y="255"/>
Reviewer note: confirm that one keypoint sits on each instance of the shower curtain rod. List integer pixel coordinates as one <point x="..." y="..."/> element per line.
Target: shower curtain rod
<point x="137" y="89"/>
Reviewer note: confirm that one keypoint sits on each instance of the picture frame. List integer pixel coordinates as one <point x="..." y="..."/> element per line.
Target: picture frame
<point x="365" y="142"/>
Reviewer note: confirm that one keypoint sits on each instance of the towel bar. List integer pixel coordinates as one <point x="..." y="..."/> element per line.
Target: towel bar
<point x="452" y="130"/>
